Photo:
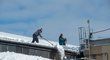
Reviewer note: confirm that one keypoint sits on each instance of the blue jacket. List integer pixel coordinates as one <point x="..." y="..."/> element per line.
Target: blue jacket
<point x="62" y="40"/>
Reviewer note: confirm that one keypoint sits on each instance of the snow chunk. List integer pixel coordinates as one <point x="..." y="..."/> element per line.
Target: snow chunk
<point x="71" y="48"/>
<point x="17" y="56"/>
<point x="61" y="51"/>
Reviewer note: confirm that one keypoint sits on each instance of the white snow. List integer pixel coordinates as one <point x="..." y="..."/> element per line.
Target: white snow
<point x="18" y="56"/>
<point x="61" y="51"/>
<point x="23" y="39"/>
<point x="71" y="48"/>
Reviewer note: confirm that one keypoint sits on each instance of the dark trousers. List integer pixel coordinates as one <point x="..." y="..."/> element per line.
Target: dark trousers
<point x="35" y="38"/>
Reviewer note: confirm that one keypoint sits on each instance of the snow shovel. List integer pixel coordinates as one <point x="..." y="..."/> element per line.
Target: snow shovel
<point x="48" y="41"/>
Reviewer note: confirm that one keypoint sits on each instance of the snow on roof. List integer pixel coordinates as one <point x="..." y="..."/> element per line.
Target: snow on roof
<point x="18" y="56"/>
<point x="24" y="39"/>
<point x="71" y="48"/>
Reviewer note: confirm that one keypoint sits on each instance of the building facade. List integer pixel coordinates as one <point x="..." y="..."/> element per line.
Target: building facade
<point x="99" y="49"/>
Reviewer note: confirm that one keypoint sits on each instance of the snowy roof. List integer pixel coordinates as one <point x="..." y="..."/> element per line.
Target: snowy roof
<point x="43" y="42"/>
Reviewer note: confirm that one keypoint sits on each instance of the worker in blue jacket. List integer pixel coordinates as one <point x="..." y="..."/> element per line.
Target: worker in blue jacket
<point x="36" y="34"/>
<point x="62" y="40"/>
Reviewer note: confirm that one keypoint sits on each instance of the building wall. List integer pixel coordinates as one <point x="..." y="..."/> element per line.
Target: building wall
<point x="25" y="49"/>
<point x="106" y="52"/>
<point x="100" y="52"/>
<point x="96" y="49"/>
<point x="34" y="50"/>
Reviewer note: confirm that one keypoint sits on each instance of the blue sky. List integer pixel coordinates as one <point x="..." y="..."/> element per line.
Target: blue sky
<point x="23" y="17"/>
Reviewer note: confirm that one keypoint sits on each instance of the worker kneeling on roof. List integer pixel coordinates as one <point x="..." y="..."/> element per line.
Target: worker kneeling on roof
<point x="62" y="40"/>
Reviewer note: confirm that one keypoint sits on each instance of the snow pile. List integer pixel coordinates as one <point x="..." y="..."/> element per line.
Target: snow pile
<point x="17" y="56"/>
<point x="71" y="48"/>
<point x="61" y="51"/>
